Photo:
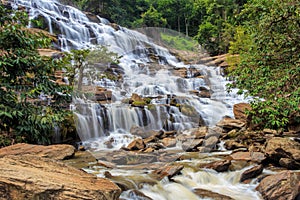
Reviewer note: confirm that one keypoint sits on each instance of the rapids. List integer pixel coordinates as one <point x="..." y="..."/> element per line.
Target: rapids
<point x="156" y="79"/>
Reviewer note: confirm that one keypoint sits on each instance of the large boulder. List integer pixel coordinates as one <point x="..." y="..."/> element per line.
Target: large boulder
<point x="229" y="124"/>
<point x="239" y="111"/>
<point x="33" y="177"/>
<point x="282" y="186"/>
<point x="56" y="152"/>
<point x="284" y="151"/>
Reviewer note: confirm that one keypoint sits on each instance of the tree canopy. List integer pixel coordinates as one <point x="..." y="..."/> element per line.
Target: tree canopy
<point x="269" y="68"/>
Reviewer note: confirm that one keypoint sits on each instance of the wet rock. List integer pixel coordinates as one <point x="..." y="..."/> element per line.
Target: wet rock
<point x="229" y="123"/>
<point x="204" y="149"/>
<point x="136" y="144"/>
<point x="106" y="164"/>
<point x="219" y="166"/>
<point x="204" y="92"/>
<point x="167" y="171"/>
<point x="139" y="131"/>
<point x="202" y="193"/>
<point x="56" y="152"/>
<point x="211" y="142"/>
<point x="239" y="111"/>
<point x="200" y="132"/>
<point x="281" y="186"/>
<point x="33" y="177"/>
<point x="169" y="142"/>
<point x="257" y="157"/>
<point x="151" y="139"/>
<point x="277" y="148"/>
<point x="115" y="26"/>
<point x="231" y="145"/>
<point x="135" y="194"/>
<point x="133" y="158"/>
<point x="251" y="173"/>
<point x="191" y="145"/>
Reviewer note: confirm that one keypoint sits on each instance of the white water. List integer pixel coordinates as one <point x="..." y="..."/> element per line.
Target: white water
<point x="112" y="121"/>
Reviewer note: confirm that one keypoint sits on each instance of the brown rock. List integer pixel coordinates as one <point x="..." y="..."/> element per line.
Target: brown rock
<point x="136" y="144"/>
<point x="191" y="145"/>
<point x="56" y="152"/>
<point x="169" y="142"/>
<point x="231" y="145"/>
<point x="211" y="142"/>
<point x="200" y="132"/>
<point x="251" y="173"/>
<point x="248" y="156"/>
<point x="32" y="177"/>
<point x="219" y="166"/>
<point x="167" y="171"/>
<point x="106" y="164"/>
<point x="202" y="193"/>
<point x="289" y="163"/>
<point x="281" y="186"/>
<point x="239" y="111"/>
<point x="277" y="148"/>
<point x="229" y="123"/>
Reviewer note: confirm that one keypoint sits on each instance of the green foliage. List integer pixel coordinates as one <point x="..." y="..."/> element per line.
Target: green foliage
<point x="152" y="18"/>
<point x="270" y="62"/>
<point x="25" y="77"/>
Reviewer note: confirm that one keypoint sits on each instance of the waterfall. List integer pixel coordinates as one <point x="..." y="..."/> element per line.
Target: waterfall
<point x="159" y="82"/>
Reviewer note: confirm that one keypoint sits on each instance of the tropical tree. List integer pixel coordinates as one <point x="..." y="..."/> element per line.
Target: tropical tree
<point x="31" y="101"/>
<point x="270" y="64"/>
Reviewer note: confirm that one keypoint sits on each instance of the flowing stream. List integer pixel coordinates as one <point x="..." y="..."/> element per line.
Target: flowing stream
<point x="151" y="72"/>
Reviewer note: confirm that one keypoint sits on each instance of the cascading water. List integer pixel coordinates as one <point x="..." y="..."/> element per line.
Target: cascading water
<point x="173" y="104"/>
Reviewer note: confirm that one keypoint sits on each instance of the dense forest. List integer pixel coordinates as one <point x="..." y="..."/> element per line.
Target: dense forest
<point x="264" y="33"/>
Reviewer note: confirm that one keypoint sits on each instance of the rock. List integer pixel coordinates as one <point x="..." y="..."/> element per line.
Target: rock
<point x="249" y="156"/>
<point x="169" y="142"/>
<point x="136" y="144"/>
<point x="43" y="178"/>
<point x="251" y="173"/>
<point x="139" y="131"/>
<point x="136" y="97"/>
<point x="200" y="132"/>
<point x="289" y="163"/>
<point x="233" y="133"/>
<point x="219" y="166"/>
<point x="167" y="171"/>
<point x="115" y="26"/>
<point x="103" y="95"/>
<point x="229" y="123"/>
<point x="135" y="194"/>
<point x="239" y="111"/>
<point x="56" y="152"/>
<point x="269" y="131"/>
<point x="231" y="145"/>
<point x="106" y="164"/>
<point x="281" y="186"/>
<point x="204" y="194"/>
<point x="204" y="92"/>
<point x="277" y="148"/>
<point x="191" y="145"/>
<point x="211" y="142"/>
